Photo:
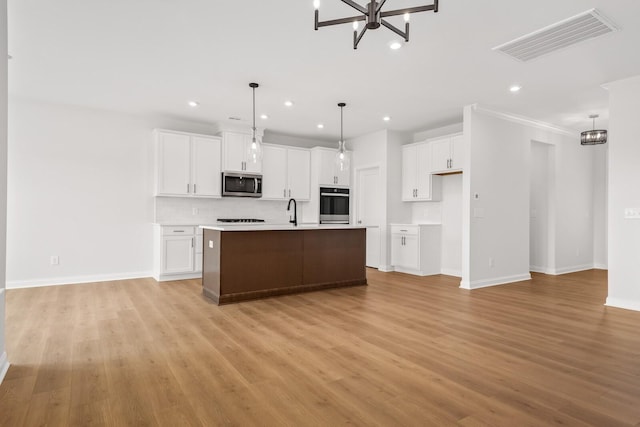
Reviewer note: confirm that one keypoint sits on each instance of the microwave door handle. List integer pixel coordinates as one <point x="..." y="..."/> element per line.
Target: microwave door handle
<point x="255" y="188"/>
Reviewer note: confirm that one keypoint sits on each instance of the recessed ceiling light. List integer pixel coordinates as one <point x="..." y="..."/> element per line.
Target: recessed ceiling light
<point x="515" y="88"/>
<point x="193" y="103"/>
<point x="320" y="126"/>
<point x="264" y="116"/>
<point x="386" y="118"/>
<point x="288" y="103"/>
<point x="395" y="45"/>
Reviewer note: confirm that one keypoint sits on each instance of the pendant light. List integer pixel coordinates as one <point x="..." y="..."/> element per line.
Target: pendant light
<point x="254" y="150"/>
<point x="594" y="136"/>
<point x="342" y="158"/>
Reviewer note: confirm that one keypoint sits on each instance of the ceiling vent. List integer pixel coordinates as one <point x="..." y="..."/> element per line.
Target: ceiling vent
<point x="576" y="29"/>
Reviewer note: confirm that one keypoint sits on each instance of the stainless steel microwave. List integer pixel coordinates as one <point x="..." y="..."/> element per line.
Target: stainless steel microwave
<point x="241" y="184"/>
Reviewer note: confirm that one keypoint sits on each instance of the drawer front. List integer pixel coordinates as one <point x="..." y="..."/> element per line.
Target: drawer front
<point x="178" y="231"/>
<point x="405" y="229"/>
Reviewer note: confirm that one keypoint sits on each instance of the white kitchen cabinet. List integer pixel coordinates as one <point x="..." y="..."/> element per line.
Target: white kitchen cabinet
<point x="329" y="173"/>
<point x="178" y="252"/>
<point x="417" y="181"/>
<point x="447" y="154"/>
<point x="187" y="164"/>
<point x="286" y="173"/>
<point x="415" y="249"/>
<point x="235" y="147"/>
<point x="299" y="173"/>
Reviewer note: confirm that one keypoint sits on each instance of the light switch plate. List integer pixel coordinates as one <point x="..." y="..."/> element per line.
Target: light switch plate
<point x="210" y="244"/>
<point x="632" y="213"/>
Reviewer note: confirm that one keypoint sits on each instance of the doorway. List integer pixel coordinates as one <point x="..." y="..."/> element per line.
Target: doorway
<point x="369" y="210"/>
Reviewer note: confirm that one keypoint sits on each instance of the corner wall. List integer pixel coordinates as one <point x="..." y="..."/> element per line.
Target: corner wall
<point x="496" y="222"/>
<point x="624" y="193"/>
<point x="80" y="187"/>
<point x="4" y="362"/>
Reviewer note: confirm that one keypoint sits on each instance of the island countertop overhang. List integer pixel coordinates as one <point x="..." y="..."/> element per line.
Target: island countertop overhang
<point x="279" y="227"/>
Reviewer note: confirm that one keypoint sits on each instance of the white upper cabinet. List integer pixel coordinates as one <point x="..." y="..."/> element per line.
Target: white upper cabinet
<point x="173" y="163"/>
<point x="286" y="173"/>
<point x="299" y="173"/>
<point x="417" y="181"/>
<point x="234" y="153"/>
<point x="328" y="173"/>
<point x="187" y="164"/>
<point x="274" y="172"/>
<point x="447" y="154"/>
<point x="205" y="166"/>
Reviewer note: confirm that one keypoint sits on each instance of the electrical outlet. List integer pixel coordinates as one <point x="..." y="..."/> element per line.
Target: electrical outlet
<point x="54" y="260"/>
<point x="210" y="244"/>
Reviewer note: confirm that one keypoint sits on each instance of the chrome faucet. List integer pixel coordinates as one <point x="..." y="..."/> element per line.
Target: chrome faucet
<point x="293" y="221"/>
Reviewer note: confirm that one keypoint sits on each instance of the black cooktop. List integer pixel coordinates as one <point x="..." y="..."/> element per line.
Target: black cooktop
<point x="240" y="220"/>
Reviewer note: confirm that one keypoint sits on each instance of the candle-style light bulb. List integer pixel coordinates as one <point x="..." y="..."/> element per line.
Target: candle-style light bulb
<point x="316" y="4"/>
<point x="406" y="17"/>
<point x="355" y="25"/>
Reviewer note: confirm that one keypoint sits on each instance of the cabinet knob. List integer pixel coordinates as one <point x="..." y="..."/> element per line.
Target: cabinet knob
<point x="359" y="222"/>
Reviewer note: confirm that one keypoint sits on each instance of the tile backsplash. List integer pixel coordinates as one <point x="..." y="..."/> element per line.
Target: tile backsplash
<point x="187" y="210"/>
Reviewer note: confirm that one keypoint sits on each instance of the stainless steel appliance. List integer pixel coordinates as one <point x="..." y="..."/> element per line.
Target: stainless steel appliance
<point x="241" y="184"/>
<point x="334" y="205"/>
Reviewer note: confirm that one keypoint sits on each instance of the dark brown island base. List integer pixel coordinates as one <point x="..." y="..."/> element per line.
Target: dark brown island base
<point x="243" y="263"/>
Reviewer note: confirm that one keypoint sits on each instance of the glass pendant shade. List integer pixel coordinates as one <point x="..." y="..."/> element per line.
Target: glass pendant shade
<point x="254" y="148"/>
<point x="342" y="158"/>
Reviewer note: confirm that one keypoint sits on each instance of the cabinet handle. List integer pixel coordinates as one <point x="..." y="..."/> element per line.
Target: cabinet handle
<point x="289" y="192"/>
<point x="187" y="188"/>
<point x="192" y="242"/>
<point x="284" y="193"/>
<point x="404" y="231"/>
<point x="359" y="222"/>
<point x="178" y="231"/>
<point x="194" y="189"/>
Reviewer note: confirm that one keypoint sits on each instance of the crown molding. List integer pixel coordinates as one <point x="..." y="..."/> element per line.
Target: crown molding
<point x="526" y="121"/>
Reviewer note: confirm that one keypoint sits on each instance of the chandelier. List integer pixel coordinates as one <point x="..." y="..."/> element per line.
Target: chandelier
<point x="594" y="136"/>
<point x="373" y="15"/>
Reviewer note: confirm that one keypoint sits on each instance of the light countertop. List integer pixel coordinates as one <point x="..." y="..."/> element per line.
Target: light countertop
<point x="273" y="227"/>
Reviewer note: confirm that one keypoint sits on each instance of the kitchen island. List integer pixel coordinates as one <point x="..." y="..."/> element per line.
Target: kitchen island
<point x="257" y="261"/>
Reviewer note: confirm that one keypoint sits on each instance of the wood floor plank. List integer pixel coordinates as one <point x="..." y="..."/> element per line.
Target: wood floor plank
<point x="405" y="350"/>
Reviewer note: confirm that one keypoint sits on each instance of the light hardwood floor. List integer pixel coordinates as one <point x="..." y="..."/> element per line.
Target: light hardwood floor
<point x="402" y="351"/>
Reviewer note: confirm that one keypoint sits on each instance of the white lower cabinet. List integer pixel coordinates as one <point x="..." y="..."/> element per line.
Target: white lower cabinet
<point x="178" y="252"/>
<point x="415" y="248"/>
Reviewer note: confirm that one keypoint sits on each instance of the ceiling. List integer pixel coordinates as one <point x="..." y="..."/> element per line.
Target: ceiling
<point x="151" y="57"/>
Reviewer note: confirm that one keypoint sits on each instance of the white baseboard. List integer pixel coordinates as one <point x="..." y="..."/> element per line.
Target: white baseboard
<point x="415" y="272"/>
<point x="449" y="272"/>
<point x="476" y="284"/>
<point x="623" y="303"/>
<point x="538" y="269"/>
<point x="4" y="366"/>
<point x="70" y="280"/>
<point x="599" y="266"/>
<point x="170" y="277"/>
<point x="386" y="268"/>
<point x="570" y="269"/>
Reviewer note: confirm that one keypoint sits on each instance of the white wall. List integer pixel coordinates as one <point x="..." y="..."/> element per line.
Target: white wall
<point x="624" y="193"/>
<point x="600" y="202"/>
<point x="437" y="132"/>
<point x="497" y="221"/>
<point x="4" y="362"/>
<point x="540" y="195"/>
<point x="80" y="188"/>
